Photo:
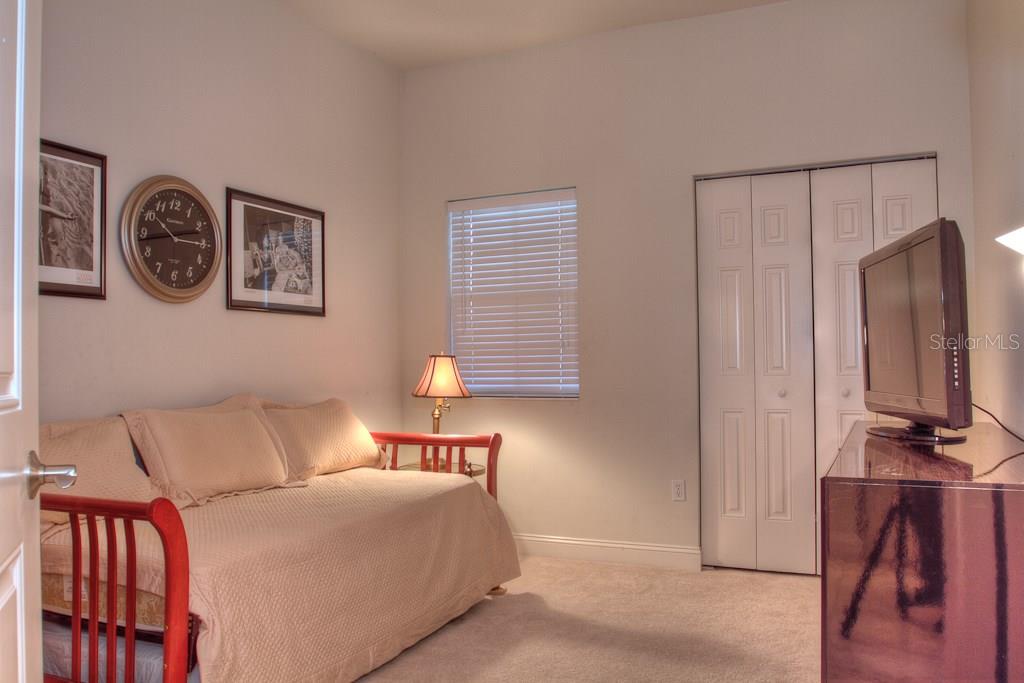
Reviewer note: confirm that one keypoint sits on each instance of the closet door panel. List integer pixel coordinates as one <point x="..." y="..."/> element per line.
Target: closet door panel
<point x="842" y="219"/>
<point x="726" y="318"/>
<point x="905" y="198"/>
<point x="784" y="372"/>
<point x="841" y="212"/>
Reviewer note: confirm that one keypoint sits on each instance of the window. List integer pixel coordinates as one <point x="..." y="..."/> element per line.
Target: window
<point x="514" y="280"/>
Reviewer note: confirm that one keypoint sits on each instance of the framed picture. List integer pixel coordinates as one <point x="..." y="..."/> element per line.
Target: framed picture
<point x="275" y="255"/>
<point x="72" y="221"/>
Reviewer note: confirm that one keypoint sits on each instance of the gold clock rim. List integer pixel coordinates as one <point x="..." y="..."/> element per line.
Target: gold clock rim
<point x="132" y="256"/>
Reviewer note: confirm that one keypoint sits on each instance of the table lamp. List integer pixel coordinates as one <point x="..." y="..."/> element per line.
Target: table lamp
<point x="441" y="380"/>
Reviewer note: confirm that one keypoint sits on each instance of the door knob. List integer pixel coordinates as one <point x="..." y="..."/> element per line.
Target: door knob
<point x="845" y="393"/>
<point x="63" y="476"/>
<point x="782" y="393"/>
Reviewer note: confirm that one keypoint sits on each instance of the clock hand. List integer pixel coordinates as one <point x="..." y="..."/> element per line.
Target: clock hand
<point x="182" y="239"/>
<point x="164" y="226"/>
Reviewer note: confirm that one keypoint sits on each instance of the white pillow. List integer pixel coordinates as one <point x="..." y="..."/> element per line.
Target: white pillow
<point x="194" y="456"/>
<point x="324" y="437"/>
<point x="101" y="449"/>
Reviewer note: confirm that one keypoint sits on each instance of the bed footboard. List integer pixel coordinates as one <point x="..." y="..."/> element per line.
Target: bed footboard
<point x="432" y="444"/>
<point x="164" y="517"/>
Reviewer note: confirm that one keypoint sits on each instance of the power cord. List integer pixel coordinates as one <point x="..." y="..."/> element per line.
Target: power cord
<point x="999" y="422"/>
<point x="998" y="465"/>
<point x="1009" y="431"/>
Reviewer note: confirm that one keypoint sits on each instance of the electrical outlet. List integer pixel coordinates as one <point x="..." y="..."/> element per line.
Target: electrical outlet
<point x="678" y="489"/>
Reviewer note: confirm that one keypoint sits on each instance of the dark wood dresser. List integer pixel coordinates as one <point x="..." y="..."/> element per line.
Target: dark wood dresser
<point x="923" y="560"/>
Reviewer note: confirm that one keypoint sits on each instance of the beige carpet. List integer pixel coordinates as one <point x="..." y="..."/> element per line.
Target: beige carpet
<point x="567" y="620"/>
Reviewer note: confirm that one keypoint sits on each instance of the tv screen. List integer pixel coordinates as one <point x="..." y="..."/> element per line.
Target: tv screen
<point x="915" y="324"/>
<point x="903" y="301"/>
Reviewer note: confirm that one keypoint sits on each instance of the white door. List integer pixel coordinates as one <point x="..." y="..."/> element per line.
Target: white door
<point x="841" y="209"/>
<point x="854" y="211"/>
<point x="841" y="212"/>
<point x="906" y="198"/>
<point x="784" y="372"/>
<point x="726" y="327"/>
<point x="19" y="191"/>
<point x="781" y="375"/>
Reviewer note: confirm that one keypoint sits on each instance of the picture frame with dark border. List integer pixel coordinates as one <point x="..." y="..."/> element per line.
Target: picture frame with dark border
<point x="275" y="255"/>
<point x="72" y="221"/>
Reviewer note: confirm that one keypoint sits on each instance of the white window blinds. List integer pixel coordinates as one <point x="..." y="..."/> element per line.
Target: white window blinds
<point x="514" y="282"/>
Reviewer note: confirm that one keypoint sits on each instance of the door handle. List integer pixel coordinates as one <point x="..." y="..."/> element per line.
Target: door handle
<point x="64" y="476"/>
<point x="782" y="393"/>
<point x="845" y="393"/>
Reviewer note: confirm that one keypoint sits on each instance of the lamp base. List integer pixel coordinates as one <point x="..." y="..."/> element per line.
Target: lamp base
<point x="440" y="404"/>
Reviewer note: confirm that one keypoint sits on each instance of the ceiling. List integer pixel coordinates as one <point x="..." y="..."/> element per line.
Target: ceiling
<point x="416" y="33"/>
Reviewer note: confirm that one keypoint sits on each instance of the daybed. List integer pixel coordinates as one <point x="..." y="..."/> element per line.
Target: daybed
<point x="316" y="576"/>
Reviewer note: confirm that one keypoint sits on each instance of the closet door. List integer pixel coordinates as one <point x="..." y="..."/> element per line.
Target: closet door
<point x="784" y="372"/>
<point x="841" y="212"/>
<point x="905" y="198"/>
<point x="726" y="318"/>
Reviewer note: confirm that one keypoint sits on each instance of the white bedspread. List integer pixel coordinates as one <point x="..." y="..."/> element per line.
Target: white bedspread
<point x="327" y="582"/>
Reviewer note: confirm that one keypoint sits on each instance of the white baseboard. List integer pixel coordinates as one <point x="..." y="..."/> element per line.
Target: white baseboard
<point x="624" y="552"/>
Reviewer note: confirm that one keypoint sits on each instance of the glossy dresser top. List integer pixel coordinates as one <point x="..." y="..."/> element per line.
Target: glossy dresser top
<point x="979" y="462"/>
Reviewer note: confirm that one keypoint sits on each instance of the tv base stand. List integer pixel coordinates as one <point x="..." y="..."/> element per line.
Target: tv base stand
<point x="916" y="433"/>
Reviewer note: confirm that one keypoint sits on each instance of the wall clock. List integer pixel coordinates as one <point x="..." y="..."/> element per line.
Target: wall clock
<point x="171" y="238"/>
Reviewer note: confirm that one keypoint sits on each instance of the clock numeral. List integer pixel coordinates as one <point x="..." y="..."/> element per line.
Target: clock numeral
<point x="175" y="204"/>
<point x="202" y="243"/>
<point x="150" y="215"/>
<point x="148" y="251"/>
<point x="143" y="232"/>
<point x="188" y="214"/>
<point x="159" y="265"/>
<point x="174" y="276"/>
<point x="161" y="205"/>
<point x="199" y="259"/>
<point x="188" y="273"/>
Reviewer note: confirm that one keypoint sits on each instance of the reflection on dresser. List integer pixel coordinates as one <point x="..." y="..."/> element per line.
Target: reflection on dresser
<point x="923" y="560"/>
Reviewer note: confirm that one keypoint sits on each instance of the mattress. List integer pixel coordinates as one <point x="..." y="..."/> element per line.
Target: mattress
<point x="57" y="596"/>
<point x="329" y="581"/>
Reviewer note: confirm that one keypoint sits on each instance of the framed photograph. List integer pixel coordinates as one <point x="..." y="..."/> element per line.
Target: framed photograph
<point x="72" y="221"/>
<point x="275" y="255"/>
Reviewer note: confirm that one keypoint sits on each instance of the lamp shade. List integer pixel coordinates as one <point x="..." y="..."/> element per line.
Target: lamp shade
<point x="441" y="379"/>
<point x="1013" y="239"/>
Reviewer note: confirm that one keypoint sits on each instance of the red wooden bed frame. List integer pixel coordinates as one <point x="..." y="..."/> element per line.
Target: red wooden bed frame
<point x="433" y="443"/>
<point x="180" y="627"/>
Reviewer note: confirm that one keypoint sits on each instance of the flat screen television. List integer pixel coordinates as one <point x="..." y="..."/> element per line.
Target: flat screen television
<point x="914" y="308"/>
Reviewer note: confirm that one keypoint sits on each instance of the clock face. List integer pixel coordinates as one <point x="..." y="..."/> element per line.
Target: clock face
<point x="175" y="237"/>
<point x="171" y="238"/>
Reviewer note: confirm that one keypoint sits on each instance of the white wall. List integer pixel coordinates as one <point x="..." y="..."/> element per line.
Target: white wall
<point x="995" y="29"/>
<point x="241" y="93"/>
<point x="629" y="117"/>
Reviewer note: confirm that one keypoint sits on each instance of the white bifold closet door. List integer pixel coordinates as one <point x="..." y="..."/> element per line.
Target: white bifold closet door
<point x="854" y="211"/>
<point x="841" y="211"/>
<point x="726" y="320"/>
<point x="784" y="372"/>
<point x="757" y="372"/>
<point x="781" y="372"/>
